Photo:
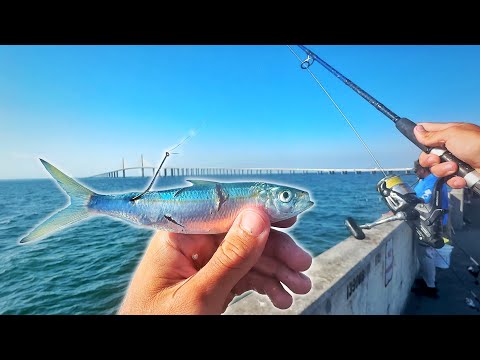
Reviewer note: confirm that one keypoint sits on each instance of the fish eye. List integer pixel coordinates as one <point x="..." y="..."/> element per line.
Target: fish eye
<point x="285" y="196"/>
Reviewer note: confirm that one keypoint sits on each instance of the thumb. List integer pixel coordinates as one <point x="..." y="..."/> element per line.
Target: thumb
<point x="430" y="138"/>
<point x="239" y="251"/>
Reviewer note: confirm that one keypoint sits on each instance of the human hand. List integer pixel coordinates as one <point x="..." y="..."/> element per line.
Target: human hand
<point x="201" y="274"/>
<point x="461" y="139"/>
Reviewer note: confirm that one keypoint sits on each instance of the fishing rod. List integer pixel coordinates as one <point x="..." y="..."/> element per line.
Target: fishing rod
<point x="425" y="219"/>
<point x="404" y="125"/>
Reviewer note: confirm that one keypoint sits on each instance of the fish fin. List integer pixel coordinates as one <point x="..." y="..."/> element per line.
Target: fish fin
<point x="72" y="188"/>
<point x="77" y="210"/>
<point x="202" y="182"/>
<point x="58" y="221"/>
<point x="207" y="183"/>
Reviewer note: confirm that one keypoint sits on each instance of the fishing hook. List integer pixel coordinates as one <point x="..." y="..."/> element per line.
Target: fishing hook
<point x="167" y="154"/>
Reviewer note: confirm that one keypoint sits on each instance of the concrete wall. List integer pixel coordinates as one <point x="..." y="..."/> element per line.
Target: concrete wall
<point x="370" y="276"/>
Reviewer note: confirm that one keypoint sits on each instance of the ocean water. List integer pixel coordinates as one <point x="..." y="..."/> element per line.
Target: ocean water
<point x="86" y="268"/>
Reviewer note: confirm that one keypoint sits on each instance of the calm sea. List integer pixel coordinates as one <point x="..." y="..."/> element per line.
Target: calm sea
<point x="85" y="269"/>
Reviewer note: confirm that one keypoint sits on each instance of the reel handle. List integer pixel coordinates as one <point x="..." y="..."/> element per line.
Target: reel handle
<point x="354" y="229"/>
<point x="357" y="231"/>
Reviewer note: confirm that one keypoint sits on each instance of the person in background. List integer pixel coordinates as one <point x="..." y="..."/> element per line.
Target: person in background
<point x="426" y="254"/>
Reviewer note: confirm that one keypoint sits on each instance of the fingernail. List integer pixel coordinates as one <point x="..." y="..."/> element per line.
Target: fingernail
<point x="303" y="276"/>
<point x="430" y="159"/>
<point x="252" y="223"/>
<point x="420" y="128"/>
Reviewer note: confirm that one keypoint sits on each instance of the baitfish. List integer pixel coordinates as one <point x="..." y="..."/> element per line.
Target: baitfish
<point x="205" y="207"/>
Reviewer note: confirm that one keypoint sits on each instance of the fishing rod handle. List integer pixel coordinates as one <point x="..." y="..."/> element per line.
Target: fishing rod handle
<point x="471" y="176"/>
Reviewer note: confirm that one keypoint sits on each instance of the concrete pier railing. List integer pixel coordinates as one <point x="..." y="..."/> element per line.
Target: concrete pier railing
<point x="370" y="276"/>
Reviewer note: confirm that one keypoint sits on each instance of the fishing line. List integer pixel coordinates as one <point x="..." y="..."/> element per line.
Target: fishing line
<point x="305" y="64"/>
<point x="404" y="125"/>
<point x="181" y="143"/>
<point x="188" y="137"/>
<point x="309" y="61"/>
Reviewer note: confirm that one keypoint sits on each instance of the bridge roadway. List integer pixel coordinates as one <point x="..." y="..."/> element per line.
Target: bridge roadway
<point x="247" y="171"/>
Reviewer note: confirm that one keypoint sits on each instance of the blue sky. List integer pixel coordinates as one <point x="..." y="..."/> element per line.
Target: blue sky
<point x="84" y="108"/>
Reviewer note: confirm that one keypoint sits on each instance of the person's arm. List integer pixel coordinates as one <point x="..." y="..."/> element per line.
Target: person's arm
<point x="461" y="139"/>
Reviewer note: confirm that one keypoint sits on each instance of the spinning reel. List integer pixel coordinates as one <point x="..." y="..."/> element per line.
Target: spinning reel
<point x="425" y="219"/>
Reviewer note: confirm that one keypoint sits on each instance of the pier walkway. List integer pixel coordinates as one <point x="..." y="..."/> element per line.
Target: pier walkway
<point x="456" y="283"/>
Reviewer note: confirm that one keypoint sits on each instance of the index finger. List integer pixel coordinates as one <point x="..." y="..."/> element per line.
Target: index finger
<point x="428" y="160"/>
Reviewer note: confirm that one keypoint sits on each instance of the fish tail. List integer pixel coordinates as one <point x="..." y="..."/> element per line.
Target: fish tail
<point x="76" y="211"/>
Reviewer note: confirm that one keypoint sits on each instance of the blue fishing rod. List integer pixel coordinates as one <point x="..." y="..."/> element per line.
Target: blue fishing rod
<point x="404" y="125"/>
<point x="425" y="219"/>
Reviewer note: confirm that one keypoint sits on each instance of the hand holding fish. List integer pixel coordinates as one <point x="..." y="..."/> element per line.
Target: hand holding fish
<point x="214" y="242"/>
<point x="461" y="139"/>
<point x="201" y="274"/>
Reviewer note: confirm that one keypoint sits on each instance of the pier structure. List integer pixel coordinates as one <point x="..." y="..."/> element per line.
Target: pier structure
<point x="374" y="276"/>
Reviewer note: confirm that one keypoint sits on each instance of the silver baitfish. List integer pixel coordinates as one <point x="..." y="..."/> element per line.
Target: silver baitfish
<point x="206" y="207"/>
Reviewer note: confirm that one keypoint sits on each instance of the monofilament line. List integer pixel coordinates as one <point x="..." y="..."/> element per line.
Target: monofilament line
<point x="341" y="112"/>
